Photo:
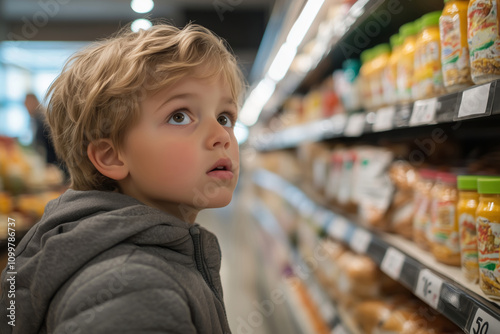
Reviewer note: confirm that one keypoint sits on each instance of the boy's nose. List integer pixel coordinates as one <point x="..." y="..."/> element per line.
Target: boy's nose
<point x="218" y="136"/>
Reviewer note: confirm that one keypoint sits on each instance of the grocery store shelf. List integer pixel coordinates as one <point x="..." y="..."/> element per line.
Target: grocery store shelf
<point x="440" y="286"/>
<point x="461" y="108"/>
<point x="326" y="308"/>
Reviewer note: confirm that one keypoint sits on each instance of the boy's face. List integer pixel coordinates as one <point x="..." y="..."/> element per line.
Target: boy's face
<point x="182" y="155"/>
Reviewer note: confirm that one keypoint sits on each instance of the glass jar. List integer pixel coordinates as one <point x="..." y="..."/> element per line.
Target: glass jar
<point x="408" y="33"/>
<point x="390" y="72"/>
<point x="428" y="77"/>
<point x="421" y="216"/>
<point x="488" y="234"/>
<point x="468" y="199"/>
<point x="366" y="75"/>
<point x="484" y="42"/>
<point x="443" y="232"/>
<point x="380" y="55"/>
<point x="454" y="45"/>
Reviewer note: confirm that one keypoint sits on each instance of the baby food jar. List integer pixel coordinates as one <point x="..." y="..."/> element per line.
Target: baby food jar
<point x="484" y="41"/>
<point x="468" y="199"/>
<point x="488" y="234"/>
<point x="443" y="234"/>
<point x="454" y="45"/>
<point x="429" y="77"/>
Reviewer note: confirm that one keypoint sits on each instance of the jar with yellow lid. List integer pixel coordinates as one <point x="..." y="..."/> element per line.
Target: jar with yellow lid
<point x="488" y="234"/>
<point x="443" y="232"/>
<point x="379" y="62"/>
<point x="421" y="216"/>
<point x="390" y="71"/>
<point x="428" y="78"/>
<point x="454" y="45"/>
<point x="405" y="67"/>
<point x="484" y="42"/>
<point x="468" y="199"/>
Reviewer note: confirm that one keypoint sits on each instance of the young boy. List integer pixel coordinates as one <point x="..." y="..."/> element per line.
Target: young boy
<point x="144" y="122"/>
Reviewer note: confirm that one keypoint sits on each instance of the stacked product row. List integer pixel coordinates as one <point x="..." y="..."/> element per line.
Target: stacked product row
<point x="439" y="205"/>
<point x="443" y="51"/>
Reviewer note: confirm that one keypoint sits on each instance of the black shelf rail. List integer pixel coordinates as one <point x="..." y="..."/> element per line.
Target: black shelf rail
<point x="468" y="310"/>
<point x="476" y="105"/>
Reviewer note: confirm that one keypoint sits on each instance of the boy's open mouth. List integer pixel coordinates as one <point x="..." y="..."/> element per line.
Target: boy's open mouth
<point x="222" y="169"/>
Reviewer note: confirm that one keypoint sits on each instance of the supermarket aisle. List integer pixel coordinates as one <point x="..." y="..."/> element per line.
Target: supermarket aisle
<point x="245" y="294"/>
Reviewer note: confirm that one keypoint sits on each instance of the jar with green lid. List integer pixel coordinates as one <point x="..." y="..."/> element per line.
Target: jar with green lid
<point x="443" y="233"/>
<point x="405" y="67"/>
<point x="380" y="60"/>
<point x="468" y="200"/>
<point x="390" y="71"/>
<point x="483" y="18"/>
<point x="428" y="78"/>
<point x="454" y="45"/>
<point x="488" y="234"/>
<point x="366" y="75"/>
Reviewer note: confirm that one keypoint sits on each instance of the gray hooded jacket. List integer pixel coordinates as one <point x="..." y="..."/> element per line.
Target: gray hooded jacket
<point x="102" y="262"/>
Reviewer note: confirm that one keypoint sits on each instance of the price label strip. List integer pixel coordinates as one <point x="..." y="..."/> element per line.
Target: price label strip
<point x="360" y="240"/>
<point x="429" y="287"/>
<point x="484" y="323"/>
<point x="385" y="119"/>
<point x="355" y="125"/>
<point x="338" y="228"/>
<point x="392" y="263"/>
<point x="424" y="112"/>
<point x="474" y="102"/>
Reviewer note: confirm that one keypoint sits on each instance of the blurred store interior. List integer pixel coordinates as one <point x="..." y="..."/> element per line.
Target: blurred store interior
<point x="363" y="126"/>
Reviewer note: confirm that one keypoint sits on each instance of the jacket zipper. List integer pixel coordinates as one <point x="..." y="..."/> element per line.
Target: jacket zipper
<point x="195" y="233"/>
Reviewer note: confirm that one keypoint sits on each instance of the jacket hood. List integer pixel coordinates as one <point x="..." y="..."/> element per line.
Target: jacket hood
<point x="75" y="228"/>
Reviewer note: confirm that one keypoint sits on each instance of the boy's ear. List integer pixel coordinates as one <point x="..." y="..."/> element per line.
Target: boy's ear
<point x="106" y="159"/>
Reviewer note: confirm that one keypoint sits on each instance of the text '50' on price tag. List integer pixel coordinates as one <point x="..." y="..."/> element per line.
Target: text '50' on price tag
<point x="429" y="287"/>
<point x="474" y="101"/>
<point x="338" y="228"/>
<point x="424" y="112"/>
<point x="355" y="125"/>
<point x="360" y="240"/>
<point x="385" y="119"/>
<point x="393" y="263"/>
<point x="483" y="323"/>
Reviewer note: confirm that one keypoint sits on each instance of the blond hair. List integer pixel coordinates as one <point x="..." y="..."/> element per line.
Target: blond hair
<point x="99" y="91"/>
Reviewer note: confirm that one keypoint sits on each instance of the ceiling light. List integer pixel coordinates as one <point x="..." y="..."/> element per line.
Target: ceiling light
<point x="142" y="6"/>
<point x="141" y="24"/>
<point x="282" y="61"/>
<point x="256" y="101"/>
<point x="304" y="22"/>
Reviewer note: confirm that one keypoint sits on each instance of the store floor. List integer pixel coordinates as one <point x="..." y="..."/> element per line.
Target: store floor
<point x="246" y="289"/>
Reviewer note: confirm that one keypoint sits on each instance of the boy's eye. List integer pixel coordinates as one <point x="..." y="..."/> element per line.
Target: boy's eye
<point x="224" y="120"/>
<point x="179" y="118"/>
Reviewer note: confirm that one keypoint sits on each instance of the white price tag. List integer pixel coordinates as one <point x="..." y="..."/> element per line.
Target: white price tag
<point x="339" y="329"/>
<point x="385" y="119"/>
<point x="424" y="112"/>
<point x="338" y="228"/>
<point x="474" y="101"/>
<point x="483" y="323"/>
<point x="429" y="287"/>
<point x="338" y="123"/>
<point x="360" y="240"/>
<point x="393" y="262"/>
<point x="355" y="125"/>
